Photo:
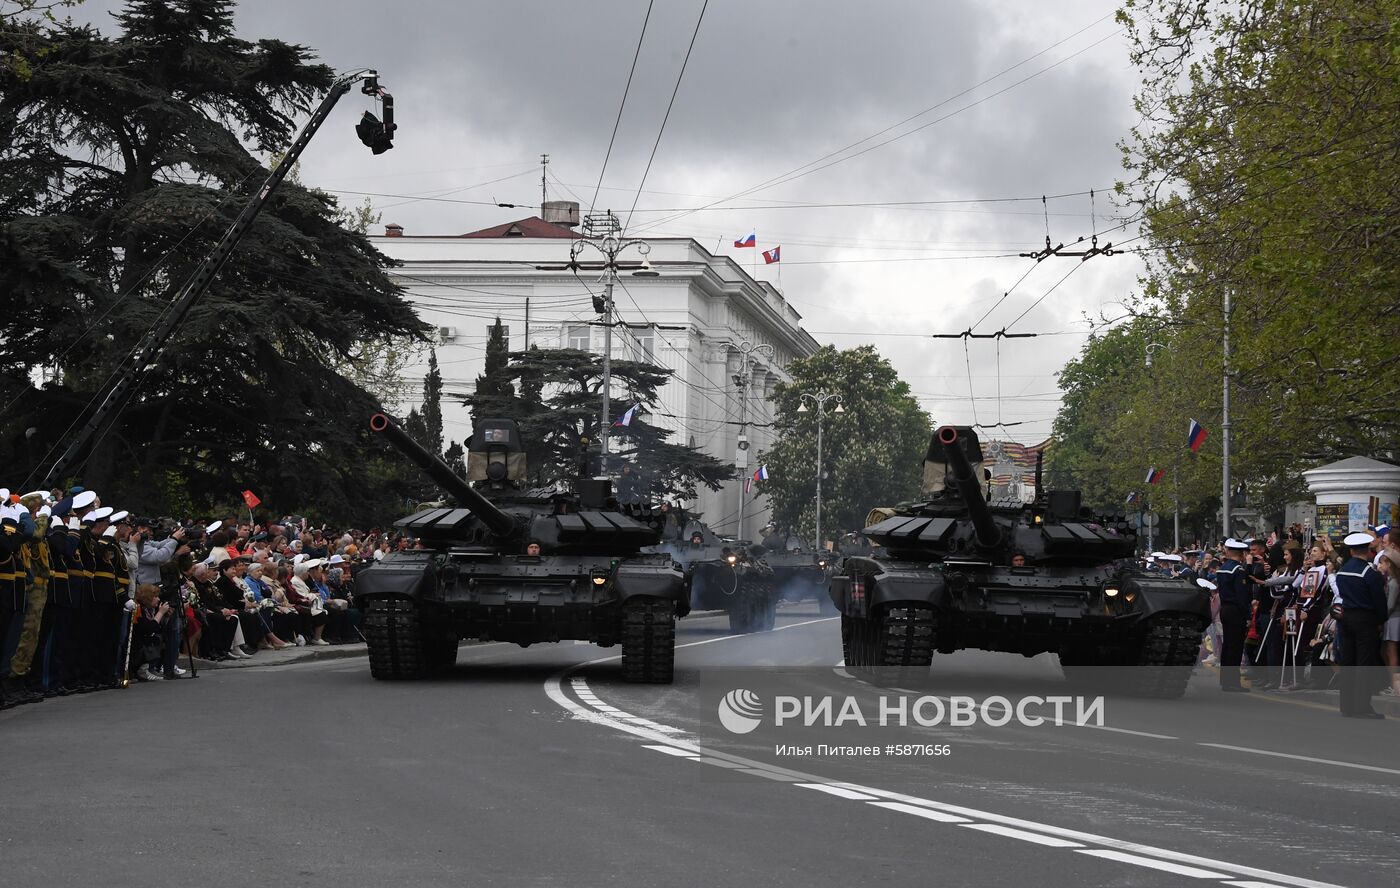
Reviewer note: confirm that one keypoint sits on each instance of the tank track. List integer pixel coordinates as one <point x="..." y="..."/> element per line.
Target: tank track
<point x="754" y="607"/>
<point x="893" y="644"/>
<point x="398" y="650"/>
<point x="1166" y="658"/>
<point x="648" y="641"/>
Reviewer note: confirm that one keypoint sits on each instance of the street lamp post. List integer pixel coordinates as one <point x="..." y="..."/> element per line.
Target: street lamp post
<point x="745" y="378"/>
<point x="820" y="398"/>
<point x="611" y="246"/>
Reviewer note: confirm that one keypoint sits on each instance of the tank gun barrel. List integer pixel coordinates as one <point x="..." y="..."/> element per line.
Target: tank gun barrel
<point x="499" y="522"/>
<point x="969" y="488"/>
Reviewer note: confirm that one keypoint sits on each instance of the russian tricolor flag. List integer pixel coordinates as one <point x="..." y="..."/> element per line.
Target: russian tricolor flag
<point x="1154" y="475"/>
<point x="626" y="419"/>
<point x="761" y="473"/>
<point x="748" y="240"/>
<point x="1196" y="436"/>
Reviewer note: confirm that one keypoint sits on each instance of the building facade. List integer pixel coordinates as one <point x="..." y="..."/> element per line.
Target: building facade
<point x="693" y="316"/>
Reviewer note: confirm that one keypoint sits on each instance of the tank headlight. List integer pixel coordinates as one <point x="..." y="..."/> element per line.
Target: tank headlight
<point x="732" y="559"/>
<point x="1111" y="591"/>
<point x="598" y="581"/>
<point x="1129" y="597"/>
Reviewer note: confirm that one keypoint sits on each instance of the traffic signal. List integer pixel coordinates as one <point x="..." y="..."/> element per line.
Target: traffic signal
<point x="378" y="135"/>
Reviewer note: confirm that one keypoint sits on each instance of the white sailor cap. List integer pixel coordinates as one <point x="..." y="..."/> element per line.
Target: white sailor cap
<point x="45" y="510"/>
<point x="311" y="564"/>
<point x="97" y="515"/>
<point x="1206" y="584"/>
<point x="1360" y="538"/>
<point x="84" y="499"/>
<point x="336" y="559"/>
<point x="1233" y="543"/>
<point x="299" y="558"/>
<point x="1171" y="557"/>
<point x="119" y="517"/>
<point x="4" y="494"/>
<point x="110" y="531"/>
<point x="210" y="528"/>
<point x="1158" y="555"/>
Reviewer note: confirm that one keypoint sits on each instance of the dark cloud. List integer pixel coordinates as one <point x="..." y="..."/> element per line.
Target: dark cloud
<point x="483" y="89"/>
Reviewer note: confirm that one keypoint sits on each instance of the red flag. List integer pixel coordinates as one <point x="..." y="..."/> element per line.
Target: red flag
<point x="771" y="256"/>
<point x="251" y="499"/>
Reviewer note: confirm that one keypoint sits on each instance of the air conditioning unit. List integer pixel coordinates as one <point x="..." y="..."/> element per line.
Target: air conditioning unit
<point x="446" y="334"/>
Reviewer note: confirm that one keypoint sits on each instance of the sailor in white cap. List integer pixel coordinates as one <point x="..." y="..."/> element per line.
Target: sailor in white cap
<point x="1361" y="595"/>
<point x="1171" y="563"/>
<point x="1154" y="561"/>
<point x="1235" y="599"/>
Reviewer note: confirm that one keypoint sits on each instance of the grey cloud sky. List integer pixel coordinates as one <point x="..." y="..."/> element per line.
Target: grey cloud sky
<point x="483" y="88"/>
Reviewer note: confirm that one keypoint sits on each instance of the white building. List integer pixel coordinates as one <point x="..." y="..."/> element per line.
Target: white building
<point x="692" y="318"/>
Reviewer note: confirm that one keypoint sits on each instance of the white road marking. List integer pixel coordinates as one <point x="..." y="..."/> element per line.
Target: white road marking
<point x="1023" y="835"/>
<point x="1304" y="758"/>
<point x="1253" y="884"/>
<point x="671" y="750"/>
<point x="1124" y="731"/>
<point x="1126" y="852"/>
<point x="838" y="791"/>
<point x="1164" y="866"/>
<point x="926" y="813"/>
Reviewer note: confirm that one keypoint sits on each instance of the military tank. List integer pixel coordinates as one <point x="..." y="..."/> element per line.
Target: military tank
<point x="959" y="572"/>
<point x="513" y="565"/>
<point x="728" y="575"/>
<point x="802" y="574"/>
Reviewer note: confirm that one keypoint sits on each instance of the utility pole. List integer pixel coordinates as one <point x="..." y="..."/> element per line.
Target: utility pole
<point x="820" y="398"/>
<point x="602" y="234"/>
<point x="745" y="378"/>
<point x="544" y="188"/>
<point x="1225" y="423"/>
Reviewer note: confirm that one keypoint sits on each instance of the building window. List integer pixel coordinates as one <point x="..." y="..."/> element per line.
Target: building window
<point x="646" y="341"/>
<point x="579" y="337"/>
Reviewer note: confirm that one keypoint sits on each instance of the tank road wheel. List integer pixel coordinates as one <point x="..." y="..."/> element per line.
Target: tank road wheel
<point x="395" y="637"/>
<point x="1163" y="663"/>
<point x="648" y="641"/>
<point x="893" y="644"/>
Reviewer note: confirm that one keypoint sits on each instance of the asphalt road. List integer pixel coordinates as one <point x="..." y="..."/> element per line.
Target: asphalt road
<point x="540" y="767"/>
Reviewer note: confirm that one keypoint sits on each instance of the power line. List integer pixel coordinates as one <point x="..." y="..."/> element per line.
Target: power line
<point x="684" y="62"/>
<point x="621" y="105"/>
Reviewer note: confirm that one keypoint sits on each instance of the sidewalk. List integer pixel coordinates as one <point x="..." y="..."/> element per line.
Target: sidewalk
<point x="305" y="653"/>
<point x="1383" y="703"/>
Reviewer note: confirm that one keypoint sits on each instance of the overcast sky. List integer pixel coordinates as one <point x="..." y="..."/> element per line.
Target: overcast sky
<point x="482" y="89"/>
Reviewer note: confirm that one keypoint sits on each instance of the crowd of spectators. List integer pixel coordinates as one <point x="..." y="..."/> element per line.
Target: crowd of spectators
<point x="1293" y="640"/>
<point x="93" y="598"/>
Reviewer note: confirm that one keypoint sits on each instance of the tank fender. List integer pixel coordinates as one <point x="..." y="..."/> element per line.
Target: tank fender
<point x="652" y="580"/>
<point x="400" y="575"/>
<point x="1166" y="594"/>
<point x="922" y="586"/>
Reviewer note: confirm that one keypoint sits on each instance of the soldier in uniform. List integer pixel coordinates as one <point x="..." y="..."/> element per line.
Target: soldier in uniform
<point x="13" y="591"/>
<point x="105" y="626"/>
<point x="25" y="682"/>
<point x="60" y="673"/>
<point x="81" y="567"/>
<point x="1188" y="565"/>
<point x="1361" y="596"/>
<point x="1235" y="599"/>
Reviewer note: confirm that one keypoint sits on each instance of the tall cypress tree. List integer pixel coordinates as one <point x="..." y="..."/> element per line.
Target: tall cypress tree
<point x="432" y="406"/>
<point x="495" y="390"/>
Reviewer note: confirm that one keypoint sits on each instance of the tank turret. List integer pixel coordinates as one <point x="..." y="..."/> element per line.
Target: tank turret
<point x="967" y="483"/>
<point x="495" y="455"/>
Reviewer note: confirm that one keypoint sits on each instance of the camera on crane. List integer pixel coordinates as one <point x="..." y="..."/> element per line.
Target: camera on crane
<point x="376" y="134"/>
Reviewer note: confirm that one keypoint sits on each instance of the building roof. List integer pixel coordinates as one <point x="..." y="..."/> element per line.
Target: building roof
<point x="534" y="226"/>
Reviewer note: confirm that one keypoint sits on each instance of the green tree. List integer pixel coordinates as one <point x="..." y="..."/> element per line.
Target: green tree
<point x="495" y="391"/>
<point x="872" y="453"/>
<point x="124" y="158"/>
<point x="557" y="412"/>
<point x="432" y="406"/>
<point x="1264" y="168"/>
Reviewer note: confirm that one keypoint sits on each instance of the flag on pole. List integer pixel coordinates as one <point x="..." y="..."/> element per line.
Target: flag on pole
<point x="760" y="473"/>
<point x="748" y="482"/>
<point x="748" y="240"/>
<point x="626" y="419"/>
<point x="251" y="499"/>
<point x="771" y="256"/>
<point x="1196" y="436"/>
<point x="1155" y="475"/>
<point x="1131" y="498"/>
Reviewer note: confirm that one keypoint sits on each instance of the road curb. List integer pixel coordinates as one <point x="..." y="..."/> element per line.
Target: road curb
<point x="1383" y="703"/>
<point x="303" y="654"/>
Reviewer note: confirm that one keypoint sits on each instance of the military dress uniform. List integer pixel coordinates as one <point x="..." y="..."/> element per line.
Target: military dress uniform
<point x="12" y="588"/>
<point x="25" y="679"/>
<point x="1361" y="589"/>
<point x="107" y="614"/>
<point x="1235" y="600"/>
<point x="66" y="589"/>
<point x="81" y="567"/>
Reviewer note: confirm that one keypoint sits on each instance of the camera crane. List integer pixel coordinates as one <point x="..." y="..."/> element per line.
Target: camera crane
<point x="377" y="135"/>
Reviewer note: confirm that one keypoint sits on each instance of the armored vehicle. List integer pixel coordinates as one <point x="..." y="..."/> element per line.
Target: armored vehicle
<point x="802" y="574"/>
<point x="959" y="572"/>
<point x="507" y="564"/>
<point x="728" y="575"/>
